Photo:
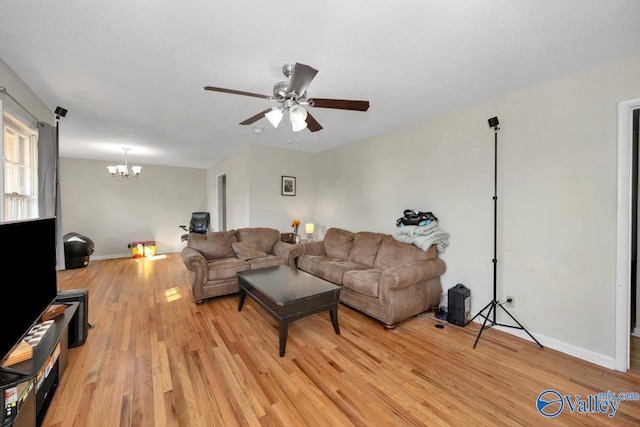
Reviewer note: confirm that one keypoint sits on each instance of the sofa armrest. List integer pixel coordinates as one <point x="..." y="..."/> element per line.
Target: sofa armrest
<point x="288" y="251"/>
<point x="409" y="274"/>
<point x="312" y="248"/>
<point x="196" y="263"/>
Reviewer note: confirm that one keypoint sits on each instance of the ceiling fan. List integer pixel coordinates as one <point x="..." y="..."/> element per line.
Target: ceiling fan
<point x="293" y="98"/>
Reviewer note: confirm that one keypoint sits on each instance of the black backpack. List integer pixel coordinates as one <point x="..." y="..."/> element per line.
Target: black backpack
<point x="412" y="217"/>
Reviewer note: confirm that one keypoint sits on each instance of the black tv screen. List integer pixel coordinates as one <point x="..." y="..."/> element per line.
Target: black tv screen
<point x="29" y="258"/>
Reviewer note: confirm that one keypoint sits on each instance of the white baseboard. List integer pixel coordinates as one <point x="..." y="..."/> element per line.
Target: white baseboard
<point x="125" y="255"/>
<point x="581" y="353"/>
<point x="96" y="257"/>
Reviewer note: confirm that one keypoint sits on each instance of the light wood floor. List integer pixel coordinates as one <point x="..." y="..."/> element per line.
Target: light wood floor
<point x="154" y="358"/>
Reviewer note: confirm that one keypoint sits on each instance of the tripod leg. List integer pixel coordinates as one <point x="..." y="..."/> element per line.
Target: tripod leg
<point x="521" y="327"/>
<point x="480" y="312"/>
<point x="493" y="307"/>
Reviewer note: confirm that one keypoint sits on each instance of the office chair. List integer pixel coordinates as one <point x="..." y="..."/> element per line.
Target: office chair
<point x="199" y="223"/>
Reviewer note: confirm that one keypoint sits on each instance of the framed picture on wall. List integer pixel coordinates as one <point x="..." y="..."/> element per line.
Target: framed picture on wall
<point x="288" y="186"/>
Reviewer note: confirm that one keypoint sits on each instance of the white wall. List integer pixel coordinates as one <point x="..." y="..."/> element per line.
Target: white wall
<point x="237" y="169"/>
<point x="556" y="199"/>
<point x="253" y="188"/>
<point x="115" y="211"/>
<point x="25" y="96"/>
<point x="269" y="208"/>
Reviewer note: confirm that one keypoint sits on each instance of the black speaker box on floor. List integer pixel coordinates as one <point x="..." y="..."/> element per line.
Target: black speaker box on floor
<point x="79" y="325"/>
<point x="459" y="304"/>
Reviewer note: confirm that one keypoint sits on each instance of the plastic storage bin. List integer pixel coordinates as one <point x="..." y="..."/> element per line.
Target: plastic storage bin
<point x="150" y="248"/>
<point x="137" y="249"/>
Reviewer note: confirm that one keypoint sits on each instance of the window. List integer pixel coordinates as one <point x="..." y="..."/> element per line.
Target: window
<point x="20" y="170"/>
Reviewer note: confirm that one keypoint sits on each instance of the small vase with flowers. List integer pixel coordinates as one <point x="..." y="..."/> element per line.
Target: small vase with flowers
<point x="295" y="224"/>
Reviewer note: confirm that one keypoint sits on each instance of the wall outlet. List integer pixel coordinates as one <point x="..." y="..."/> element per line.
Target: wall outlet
<point x="510" y="302"/>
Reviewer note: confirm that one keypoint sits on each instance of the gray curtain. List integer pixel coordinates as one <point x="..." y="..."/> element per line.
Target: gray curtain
<point x="49" y="203"/>
<point x="47" y="162"/>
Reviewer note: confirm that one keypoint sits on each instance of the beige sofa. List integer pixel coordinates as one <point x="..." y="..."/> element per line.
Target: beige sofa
<point x="214" y="259"/>
<point x="386" y="279"/>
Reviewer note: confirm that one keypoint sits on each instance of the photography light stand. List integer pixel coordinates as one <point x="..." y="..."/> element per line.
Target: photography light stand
<point x="492" y="307"/>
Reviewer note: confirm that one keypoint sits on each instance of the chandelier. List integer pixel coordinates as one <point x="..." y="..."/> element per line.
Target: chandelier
<point x="123" y="170"/>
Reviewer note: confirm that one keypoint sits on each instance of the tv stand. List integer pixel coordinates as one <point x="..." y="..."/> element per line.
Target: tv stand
<point x="10" y="371"/>
<point x="32" y="383"/>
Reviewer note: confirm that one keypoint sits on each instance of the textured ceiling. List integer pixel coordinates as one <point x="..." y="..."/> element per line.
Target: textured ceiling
<point x="131" y="73"/>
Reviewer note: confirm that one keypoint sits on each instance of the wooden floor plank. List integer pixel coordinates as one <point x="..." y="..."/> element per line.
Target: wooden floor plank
<point x="154" y="358"/>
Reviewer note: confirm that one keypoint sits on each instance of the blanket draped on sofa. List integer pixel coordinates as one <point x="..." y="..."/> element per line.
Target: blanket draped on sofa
<point x="423" y="236"/>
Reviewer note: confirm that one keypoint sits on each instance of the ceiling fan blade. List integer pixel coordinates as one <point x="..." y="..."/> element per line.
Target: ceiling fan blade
<point x="255" y="118"/>
<point x="341" y="104"/>
<point x="301" y="78"/>
<point x="236" y="92"/>
<point x="312" y="123"/>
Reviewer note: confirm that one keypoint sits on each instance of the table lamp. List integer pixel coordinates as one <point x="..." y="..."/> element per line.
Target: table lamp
<point x="309" y="228"/>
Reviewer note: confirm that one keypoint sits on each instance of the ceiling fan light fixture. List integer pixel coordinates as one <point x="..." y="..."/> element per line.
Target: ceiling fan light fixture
<point x="297" y="126"/>
<point x="274" y="116"/>
<point x="298" y="117"/>
<point x="293" y="97"/>
<point x="298" y="113"/>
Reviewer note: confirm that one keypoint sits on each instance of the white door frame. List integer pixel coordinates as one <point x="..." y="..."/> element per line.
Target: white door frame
<point x="221" y="200"/>
<point x="623" y="244"/>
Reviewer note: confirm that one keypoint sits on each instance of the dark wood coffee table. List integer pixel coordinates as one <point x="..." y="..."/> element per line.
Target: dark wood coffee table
<point x="289" y="294"/>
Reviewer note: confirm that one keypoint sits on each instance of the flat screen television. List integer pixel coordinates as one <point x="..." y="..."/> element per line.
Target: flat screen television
<point x="29" y="258"/>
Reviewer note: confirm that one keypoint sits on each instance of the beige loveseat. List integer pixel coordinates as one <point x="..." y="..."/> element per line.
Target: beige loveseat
<point x="380" y="276"/>
<point x="214" y="259"/>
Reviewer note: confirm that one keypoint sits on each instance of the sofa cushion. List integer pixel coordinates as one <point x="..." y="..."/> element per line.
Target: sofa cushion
<point x="393" y="253"/>
<point x="247" y="250"/>
<point x="321" y="266"/>
<point x="365" y="247"/>
<point x="263" y="238"/>
<point x="213" y="245"/>
<point x="328" y="268"/>
<point x="267" y="261"/>
<point x="225" y="268"/>
<point x="363" y="281"/>
<point x="338" y="243"/>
